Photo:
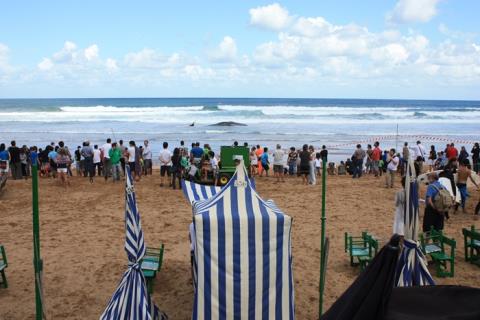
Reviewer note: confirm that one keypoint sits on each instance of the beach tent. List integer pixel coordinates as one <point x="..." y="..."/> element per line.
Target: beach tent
<point x="242" y="255"/>
<point x="412" y="266"/>
<point x="131" y="299"/>
<point x="196" y="192"/>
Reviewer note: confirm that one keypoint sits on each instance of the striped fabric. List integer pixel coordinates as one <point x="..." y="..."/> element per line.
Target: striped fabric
<point x="412" y="267"/>
<point x="131" y="299"/>
<point x="196" y="192"/>
<point x="242" y="256"/>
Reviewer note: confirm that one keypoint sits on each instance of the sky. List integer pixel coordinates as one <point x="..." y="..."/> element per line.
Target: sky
<point x="411" y="49"/>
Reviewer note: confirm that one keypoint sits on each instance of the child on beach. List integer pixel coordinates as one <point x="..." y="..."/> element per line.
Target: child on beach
<point x="318" y="164"/>
<point x="265" y="162"/>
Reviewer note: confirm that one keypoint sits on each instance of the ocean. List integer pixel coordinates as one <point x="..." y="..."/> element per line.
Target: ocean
<point x="337" y="123"/>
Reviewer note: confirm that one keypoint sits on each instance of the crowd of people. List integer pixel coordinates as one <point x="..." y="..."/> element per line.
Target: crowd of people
<point x="109" y="160"/>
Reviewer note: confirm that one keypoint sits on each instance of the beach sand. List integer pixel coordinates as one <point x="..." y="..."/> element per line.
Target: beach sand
<point x="82" y="238"/>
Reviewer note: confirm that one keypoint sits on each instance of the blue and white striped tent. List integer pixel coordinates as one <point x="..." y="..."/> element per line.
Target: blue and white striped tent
<point x="242" y="255"/>
<point x="131" y="299"/>
<point x="412" y="267"/>
<point x="196" y="192"/>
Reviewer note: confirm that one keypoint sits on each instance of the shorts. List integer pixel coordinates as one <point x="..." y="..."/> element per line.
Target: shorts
<point x="147" y="163"/>
<point x="62" y="170"/>
<point x="165" y="169"/>
<point x="132" y="166"/>
<point x="277" y="168"/>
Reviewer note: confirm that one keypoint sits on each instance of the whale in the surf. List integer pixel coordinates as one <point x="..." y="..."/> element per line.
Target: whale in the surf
<point x="228" y="124"/>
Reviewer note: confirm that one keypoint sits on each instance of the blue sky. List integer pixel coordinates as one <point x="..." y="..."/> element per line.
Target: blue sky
<point x="366" y="49"/>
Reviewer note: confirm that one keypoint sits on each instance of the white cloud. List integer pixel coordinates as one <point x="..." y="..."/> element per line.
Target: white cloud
<point x="273" y="17"/>
<point x="408" y="11"/>
<point x="45" y="64"/>
<point x="225" y="52"/>
<point x="392" y="53"/>
<point x="111" y="64"/>
<point x="91" y="52"/>
<point x="67" y="53"/>
<point x="4" y="57"/>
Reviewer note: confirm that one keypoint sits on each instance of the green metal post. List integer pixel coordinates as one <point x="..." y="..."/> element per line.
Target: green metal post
<point x="37" y="261"/>
<point x="322" y="239"/>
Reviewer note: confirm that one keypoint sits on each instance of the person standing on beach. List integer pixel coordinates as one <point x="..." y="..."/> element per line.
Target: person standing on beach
<point x="52" y="159"/>
<point x="278" y="163"/>
<point x="147" y="158"/>
<point x="432" y="157"/>
<point x="451" y="151"/>
<point x="253" y="161"/>
<point x="165" y="163"/>
<point x="265" y="162"/>
<point x="476" y="157"/>
<point x="107" y="164"/>
<point x="304" y="167"/>
<point x="376" y="155"/>
<point x="292" y="161"/>
<point x="432" y="217"/>
<point x="176" y="161"/>
<point x="130" y="156"/>
<point x="78" y="162"/>
<point x="311" y="173"/>
<point x="15" y="162"/>
<point x="369" y="163"/>
<point x="463" y="174"/>
<point x="357" y="159"/>
<point x="391" y="169"/>
<point x="62" y="161"/>
<point x="4" y="159"/>
<point x="124" y="158"/>
<point x="259" y="153"/>
<point x="419" y="156"/>
<point x="463" y="155"/>
<point x="115" y="154"/>
<point x="87" y="154"/>
<point x="97" y="160"/>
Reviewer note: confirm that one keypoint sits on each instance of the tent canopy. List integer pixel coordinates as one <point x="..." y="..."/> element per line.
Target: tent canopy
<point x="242" y="255"/>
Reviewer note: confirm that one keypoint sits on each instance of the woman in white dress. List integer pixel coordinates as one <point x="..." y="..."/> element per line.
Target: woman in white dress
<point x="399" y="220"/>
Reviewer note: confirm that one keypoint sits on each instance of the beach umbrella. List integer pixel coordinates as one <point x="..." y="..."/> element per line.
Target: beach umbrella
<point x="131" y="299"/>
<point x="412" y="266"/>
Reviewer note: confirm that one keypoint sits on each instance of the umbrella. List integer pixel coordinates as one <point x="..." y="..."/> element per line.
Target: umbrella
<point x="412" y="267"/>
<point x="131" y="299"/>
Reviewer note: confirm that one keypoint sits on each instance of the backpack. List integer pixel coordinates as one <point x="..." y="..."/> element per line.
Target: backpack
<point x="442" y="201"/>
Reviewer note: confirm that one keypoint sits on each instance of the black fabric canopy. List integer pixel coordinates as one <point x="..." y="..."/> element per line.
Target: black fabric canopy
<point x="434" y="302"/>
<point x="368" y="296"/>
<point x="372" y="296"/>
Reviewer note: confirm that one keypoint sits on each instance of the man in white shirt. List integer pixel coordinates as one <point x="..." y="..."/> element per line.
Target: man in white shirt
<point x="278" y="163"/>
<point x="131" y="152"/>
<point x="97" y="160"/>
<point x="147" y="158"/>
<point x="419" y="156"/>
<point x="391" y="168"/>
<point x="107" y="166"/>
<point x="165" y="163"/>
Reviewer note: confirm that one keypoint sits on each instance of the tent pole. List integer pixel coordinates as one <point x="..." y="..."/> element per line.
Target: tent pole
<point x="37" y="262"/>
<point x="322" y="239"/>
